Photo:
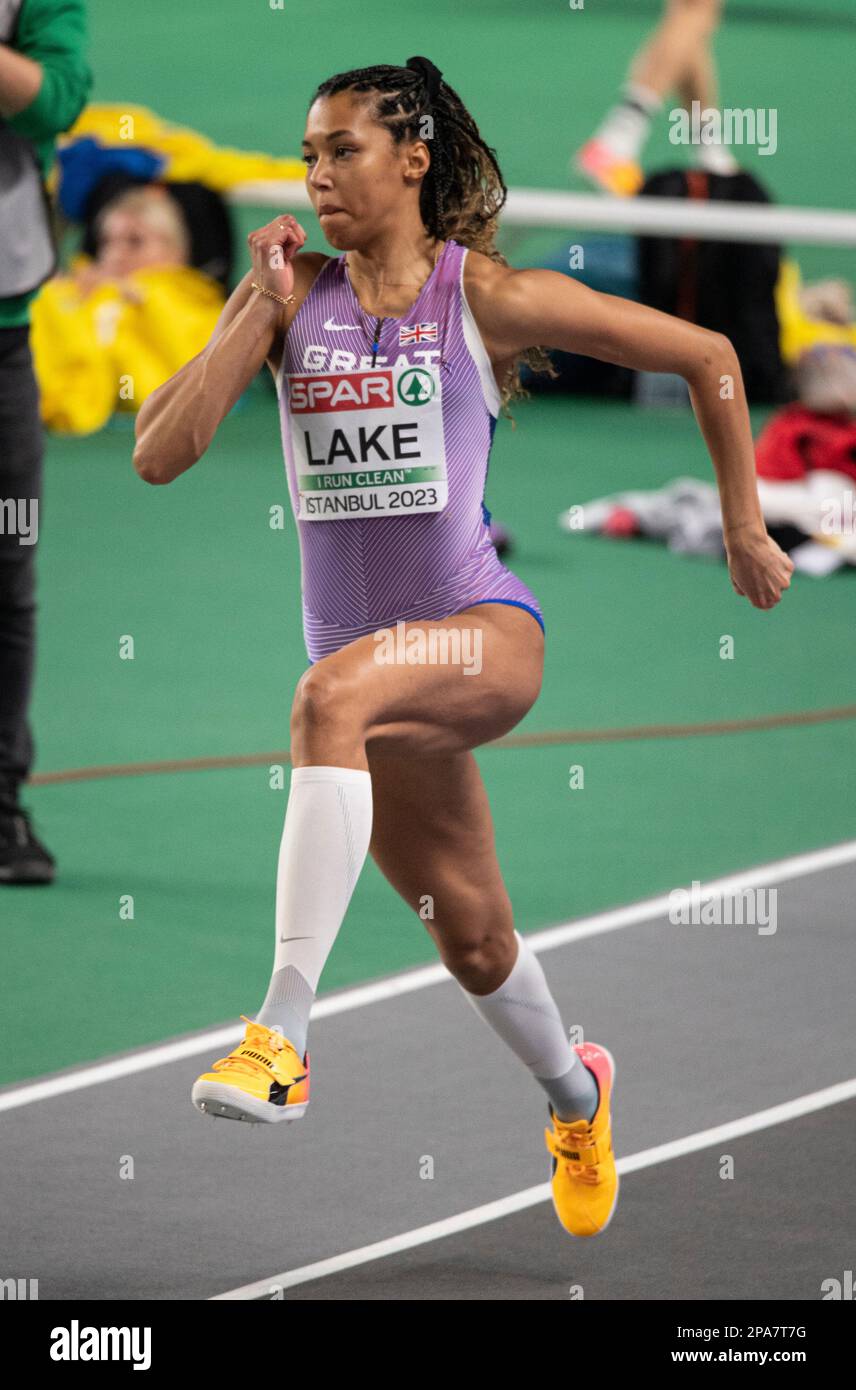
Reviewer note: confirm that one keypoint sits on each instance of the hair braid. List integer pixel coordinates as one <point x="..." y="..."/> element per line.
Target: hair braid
<point x="463" y="191"/>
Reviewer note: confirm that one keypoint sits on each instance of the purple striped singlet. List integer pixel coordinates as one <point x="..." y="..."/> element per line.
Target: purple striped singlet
<point x="387" y="466"/>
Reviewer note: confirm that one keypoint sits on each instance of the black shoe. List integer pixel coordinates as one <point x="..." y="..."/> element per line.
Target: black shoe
<point x="23" y="857"/>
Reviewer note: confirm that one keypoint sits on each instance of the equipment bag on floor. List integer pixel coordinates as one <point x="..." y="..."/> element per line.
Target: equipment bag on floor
<point x="725" y="286"/>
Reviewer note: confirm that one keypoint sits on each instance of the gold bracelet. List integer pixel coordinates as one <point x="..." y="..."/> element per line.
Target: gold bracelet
<point x="291" y="299"/>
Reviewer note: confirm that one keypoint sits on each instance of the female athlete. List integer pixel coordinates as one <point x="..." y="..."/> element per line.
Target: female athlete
<point x="392" y="364"/>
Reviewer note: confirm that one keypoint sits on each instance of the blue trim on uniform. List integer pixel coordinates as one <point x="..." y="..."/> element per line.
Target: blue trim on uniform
<point x="515" y="603"/>
<point x="485" y="512"/>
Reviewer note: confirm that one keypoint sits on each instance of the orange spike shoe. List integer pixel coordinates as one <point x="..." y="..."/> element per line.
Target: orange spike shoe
<point x="584" y="1178"/>
<point x="263" y="1080"/>
<point x="621" y="177"/>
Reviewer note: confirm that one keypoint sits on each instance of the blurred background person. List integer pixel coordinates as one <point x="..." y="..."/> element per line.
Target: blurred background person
<point x="118" y="325"/>
<point x="44" y="81"/>
<point x="677" y="58"/>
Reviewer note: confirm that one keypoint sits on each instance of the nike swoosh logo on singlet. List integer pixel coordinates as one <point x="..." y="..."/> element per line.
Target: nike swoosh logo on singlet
<point x="339" y="327"/>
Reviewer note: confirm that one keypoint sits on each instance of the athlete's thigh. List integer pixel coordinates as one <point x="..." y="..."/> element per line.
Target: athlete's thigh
<point x="434" y="686"/>
<point x="433" y="839"/>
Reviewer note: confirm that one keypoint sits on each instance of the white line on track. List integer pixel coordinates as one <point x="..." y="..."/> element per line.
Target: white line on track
<point x="531" y="1196"/>
<point x="219" y="1039"/>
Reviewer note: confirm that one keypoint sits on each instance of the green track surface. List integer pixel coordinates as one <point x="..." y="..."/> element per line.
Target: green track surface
<point x="210" y="593"/>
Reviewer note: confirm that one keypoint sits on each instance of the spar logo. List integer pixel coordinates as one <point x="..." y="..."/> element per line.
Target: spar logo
<point x="322" y="393"/>
<point x="416" y="387"/>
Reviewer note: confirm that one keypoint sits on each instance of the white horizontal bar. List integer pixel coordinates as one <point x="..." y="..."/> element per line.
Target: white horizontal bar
<point x="541" y="207"/>
<point x="757" y="222"/>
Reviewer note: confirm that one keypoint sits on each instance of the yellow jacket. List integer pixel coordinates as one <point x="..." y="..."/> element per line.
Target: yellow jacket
<point x="188" y="154"/>
<point x="106" y="351"/>
<point x="798" y="332"/>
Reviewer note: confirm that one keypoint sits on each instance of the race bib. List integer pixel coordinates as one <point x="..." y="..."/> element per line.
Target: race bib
<point x="368" y="443"/>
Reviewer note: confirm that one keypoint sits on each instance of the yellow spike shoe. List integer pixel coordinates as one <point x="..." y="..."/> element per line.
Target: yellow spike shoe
<point x="584" y="1178"/>
<point x="621" y="177"/>
<point x="262" y="1081"/>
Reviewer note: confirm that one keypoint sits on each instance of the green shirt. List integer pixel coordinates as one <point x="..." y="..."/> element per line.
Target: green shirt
<point x="52" y="33"/>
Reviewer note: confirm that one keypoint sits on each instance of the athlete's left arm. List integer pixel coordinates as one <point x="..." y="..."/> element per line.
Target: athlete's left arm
<point x="517" y="309"/>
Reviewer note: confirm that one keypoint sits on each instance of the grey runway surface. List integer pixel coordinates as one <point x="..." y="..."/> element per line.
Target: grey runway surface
<point x="707" y="1024"/>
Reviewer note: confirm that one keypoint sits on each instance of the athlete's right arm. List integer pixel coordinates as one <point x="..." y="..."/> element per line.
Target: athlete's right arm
<point x="177" y="422"/>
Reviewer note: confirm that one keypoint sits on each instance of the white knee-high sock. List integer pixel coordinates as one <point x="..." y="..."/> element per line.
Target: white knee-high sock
<point x="625" y="128"/>
<point x="525" y="1015"/>
<point x="324" y="844"/>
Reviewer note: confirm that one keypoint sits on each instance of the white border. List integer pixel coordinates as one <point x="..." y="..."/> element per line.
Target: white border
<point x="478" y="351"/>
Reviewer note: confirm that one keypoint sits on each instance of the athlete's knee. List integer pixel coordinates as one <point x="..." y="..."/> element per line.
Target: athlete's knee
<point x="531" y="686"/>
<point x="479" y="958"/>
<point x="322" y="701"/>
<point x="515" y="702"/>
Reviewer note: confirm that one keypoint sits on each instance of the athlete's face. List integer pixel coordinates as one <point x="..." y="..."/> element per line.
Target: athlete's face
<point x="358" y="180"/>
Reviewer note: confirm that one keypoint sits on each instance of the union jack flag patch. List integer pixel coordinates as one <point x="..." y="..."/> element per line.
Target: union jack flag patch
<point x="417" y="333"/>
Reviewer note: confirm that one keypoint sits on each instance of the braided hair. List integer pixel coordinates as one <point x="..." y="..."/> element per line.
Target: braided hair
<point x="463" y="191"/>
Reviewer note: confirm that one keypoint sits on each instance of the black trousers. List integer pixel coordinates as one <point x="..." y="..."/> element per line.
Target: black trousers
<point x="21" y="453"/>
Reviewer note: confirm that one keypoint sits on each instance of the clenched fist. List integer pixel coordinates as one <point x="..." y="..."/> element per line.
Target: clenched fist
<point x="272" y="249"/>
<point x="760" y="570"/>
